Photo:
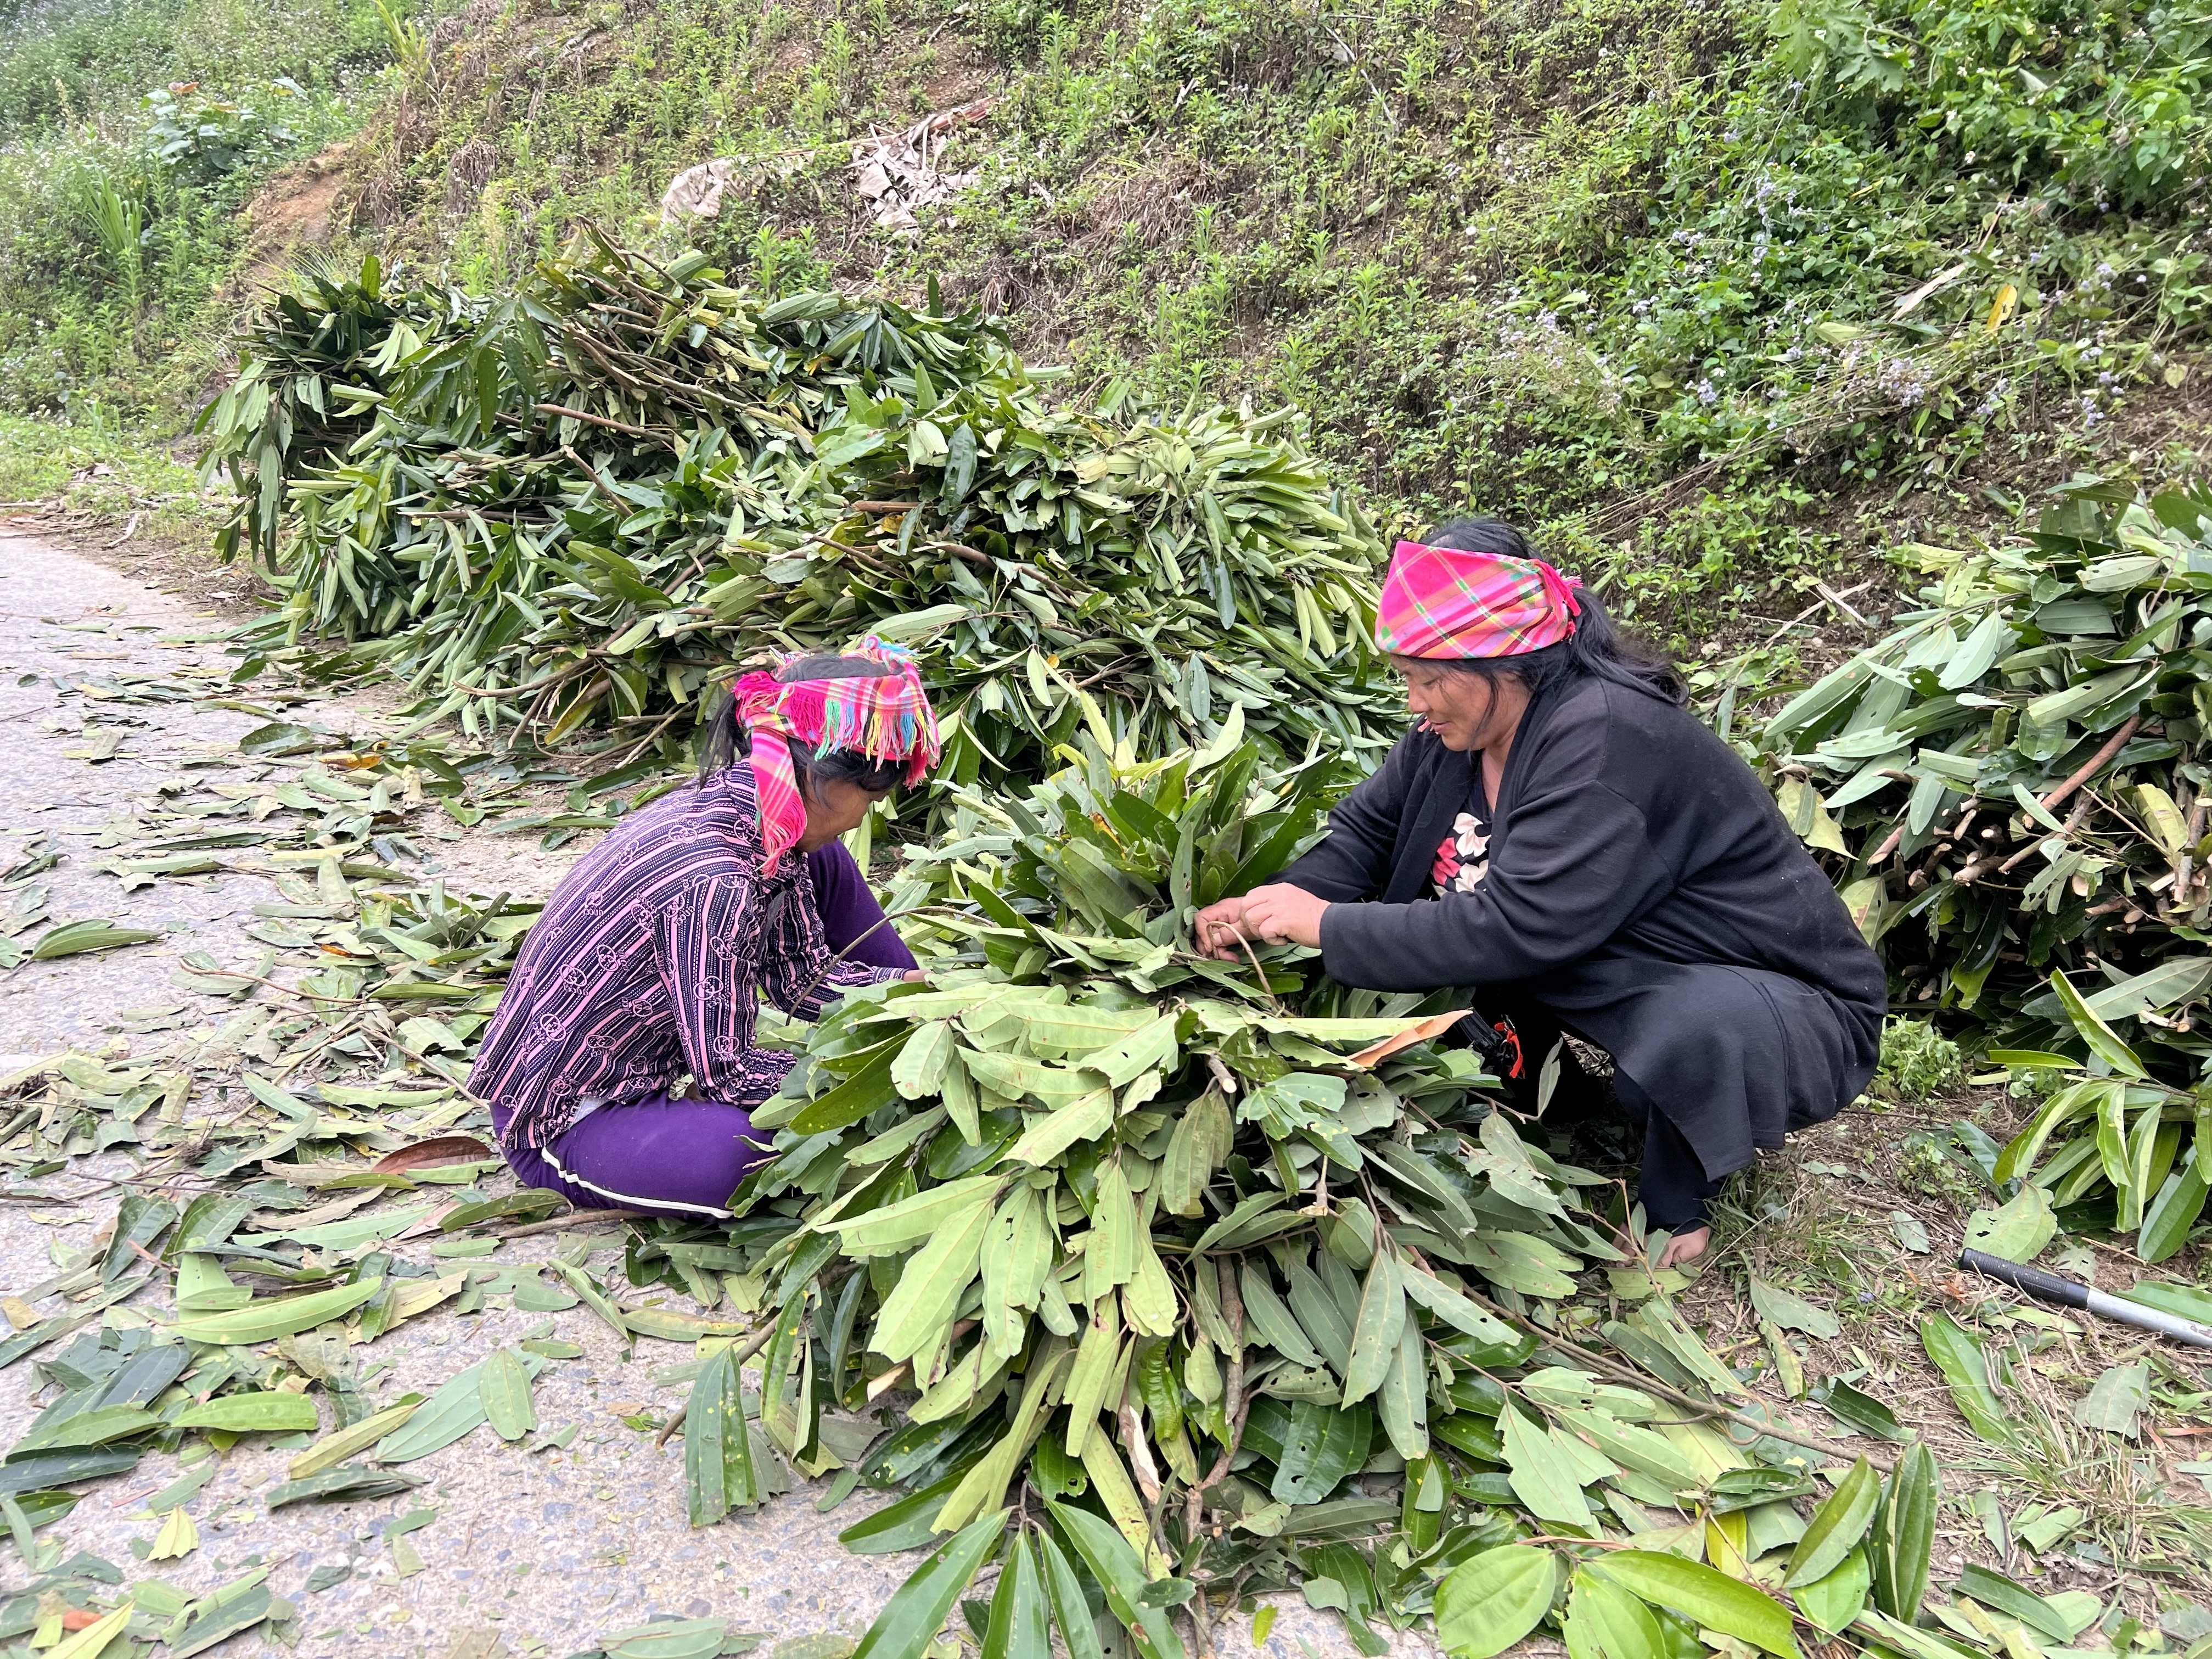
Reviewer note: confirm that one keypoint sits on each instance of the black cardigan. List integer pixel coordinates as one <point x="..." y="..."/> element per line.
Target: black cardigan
<point x="1631" y="851"/>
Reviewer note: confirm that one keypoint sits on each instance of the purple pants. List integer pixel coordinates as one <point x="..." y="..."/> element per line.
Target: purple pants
<point x="686" y="1157"/>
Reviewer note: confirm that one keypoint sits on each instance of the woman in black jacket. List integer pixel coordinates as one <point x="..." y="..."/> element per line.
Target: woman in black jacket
<point x="1559" y="835"/>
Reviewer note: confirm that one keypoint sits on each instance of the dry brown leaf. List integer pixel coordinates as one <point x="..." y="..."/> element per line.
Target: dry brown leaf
<point x="1419" y="1031"/>
<point x="432" y="1154"/>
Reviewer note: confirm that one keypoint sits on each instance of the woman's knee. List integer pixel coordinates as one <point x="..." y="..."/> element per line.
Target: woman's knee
<point x="685" y="1155"/>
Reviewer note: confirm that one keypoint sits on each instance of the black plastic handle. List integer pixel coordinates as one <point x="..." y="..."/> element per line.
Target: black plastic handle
<point x="2043" y="1286"/>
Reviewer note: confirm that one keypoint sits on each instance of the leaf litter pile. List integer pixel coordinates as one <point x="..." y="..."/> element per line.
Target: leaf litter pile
<point x="1142" y="1285"/>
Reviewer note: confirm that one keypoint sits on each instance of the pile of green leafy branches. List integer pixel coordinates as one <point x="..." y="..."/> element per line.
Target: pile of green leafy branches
<point x="2015" y="780"/>
<point x="1197" y="1304"/>
<point x="2015" y="777"/>
<point x="584" y="501"/>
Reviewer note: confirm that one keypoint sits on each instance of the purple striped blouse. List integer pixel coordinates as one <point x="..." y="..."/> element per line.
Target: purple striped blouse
<point x="646" y="965"/>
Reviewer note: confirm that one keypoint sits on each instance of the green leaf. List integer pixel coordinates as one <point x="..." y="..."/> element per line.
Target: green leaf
<point x="336" y="1447"/>
<point x="1018" y="1627"/>
<point x="1403" y="1403"/>
<point x="1071" y="1611"/>
<point x="1862" y="1412"/>
<point x="1996" y="1591"/>
<point x="451" y="1411"/>
<point x="681" y="1638"/>
<point x="95" y="1427"/>
<point x="2117" y="1400"/>
<point x="1778" y="1307"/>
<point x="1454" y="1309"/>
<point x="1542" y="1478"/>
<point x="911" y="1619"/>
<point x="1376" y="1329"/>
<point x="1196" y="1149"/>
<point x="919" y="1067"/>
<point x="1965" y="1370"/>
<point x="1977" y="652"/>
<point x="1707" y="1598"/>
<point x="345" y="1482"/>
<point x="1491" y="1600"/>
<point x="504" y="1385"/>
<point x="1110" y="1259"/>
<point x="1838" y="1526"/>
<point x="248" y="1414"/>
<point x="2103" y="1041"/>
<point x="853" y="1099"/>
<point x="718" y="1464"/>
<point x="2171" y="1215"/>
<point x="1604" y="1621"/>
<point x="930" y="1287"/>
<point x="530" y="1202"/>
<point x="225" y="1618"/>
<point x="2016" y="1231"/>
<point x="1048" y="1136"/>
<point x="74" y="938"/>
<point x="1272" y="1318"/>
<point x="41" y="1471"/>
<point x="1322" y="1446"/>
<point x="1902" y="1541"/>
<point x="911" y="1221"/>
<point x="1115" y="1565"/>
<point x="264" y="1321"/>
<point x="1833" y="1601"/>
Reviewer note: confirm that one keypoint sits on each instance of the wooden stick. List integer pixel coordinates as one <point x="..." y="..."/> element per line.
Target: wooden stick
<point x="596" y="420"/>
<point x="745" y="1351"/>
<point x="2080" y="808"/>
<point x="2113" y="744"/>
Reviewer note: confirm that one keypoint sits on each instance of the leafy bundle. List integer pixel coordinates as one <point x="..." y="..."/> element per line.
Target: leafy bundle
<point x="1241" y="1307"/>
<point x="2016" y="778"/>
<point x="584" y="500"/>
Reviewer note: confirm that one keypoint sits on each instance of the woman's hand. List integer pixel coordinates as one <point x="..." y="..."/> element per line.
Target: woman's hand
<point x="914" y="976"/>
<point x="1220" y="926"/>
<point x="1283" y="914"/>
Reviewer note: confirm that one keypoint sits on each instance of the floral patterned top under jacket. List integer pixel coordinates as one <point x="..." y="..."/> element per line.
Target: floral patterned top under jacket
<point x="648" y="964"/>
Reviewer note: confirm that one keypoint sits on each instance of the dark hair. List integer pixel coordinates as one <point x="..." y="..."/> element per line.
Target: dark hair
<point x="725" y="741"/>
<point x="1596" y="647"/>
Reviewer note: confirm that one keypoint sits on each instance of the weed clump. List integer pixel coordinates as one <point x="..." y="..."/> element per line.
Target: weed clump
<point x="1919" y="1064"/>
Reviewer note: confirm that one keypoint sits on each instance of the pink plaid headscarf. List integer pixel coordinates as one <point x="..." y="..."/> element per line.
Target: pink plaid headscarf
<point x="1445" y="602"/>
<point x="885" y="718"/>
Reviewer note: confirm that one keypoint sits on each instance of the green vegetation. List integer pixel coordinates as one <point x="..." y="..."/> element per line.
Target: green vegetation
<point x="1918" y="1063"/>
<point x="2014" y="780"/>
<point x="132" y="136"/>
<point x="1716" y="295"/>
<point x="1729" y="301"/>
<point x="1632" y="271"/>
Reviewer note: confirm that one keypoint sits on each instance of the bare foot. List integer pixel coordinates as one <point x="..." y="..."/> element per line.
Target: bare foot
<point x="1685" y="1248"/>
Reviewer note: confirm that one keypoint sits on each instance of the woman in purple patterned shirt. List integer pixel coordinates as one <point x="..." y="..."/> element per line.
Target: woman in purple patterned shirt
<point x="621" y="1065"/>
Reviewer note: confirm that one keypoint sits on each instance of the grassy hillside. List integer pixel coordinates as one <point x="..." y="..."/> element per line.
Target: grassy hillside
<point x="1721" y="294"/>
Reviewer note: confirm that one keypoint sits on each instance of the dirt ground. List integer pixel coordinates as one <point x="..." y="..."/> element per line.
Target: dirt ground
<point x="549" y="1550"/>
